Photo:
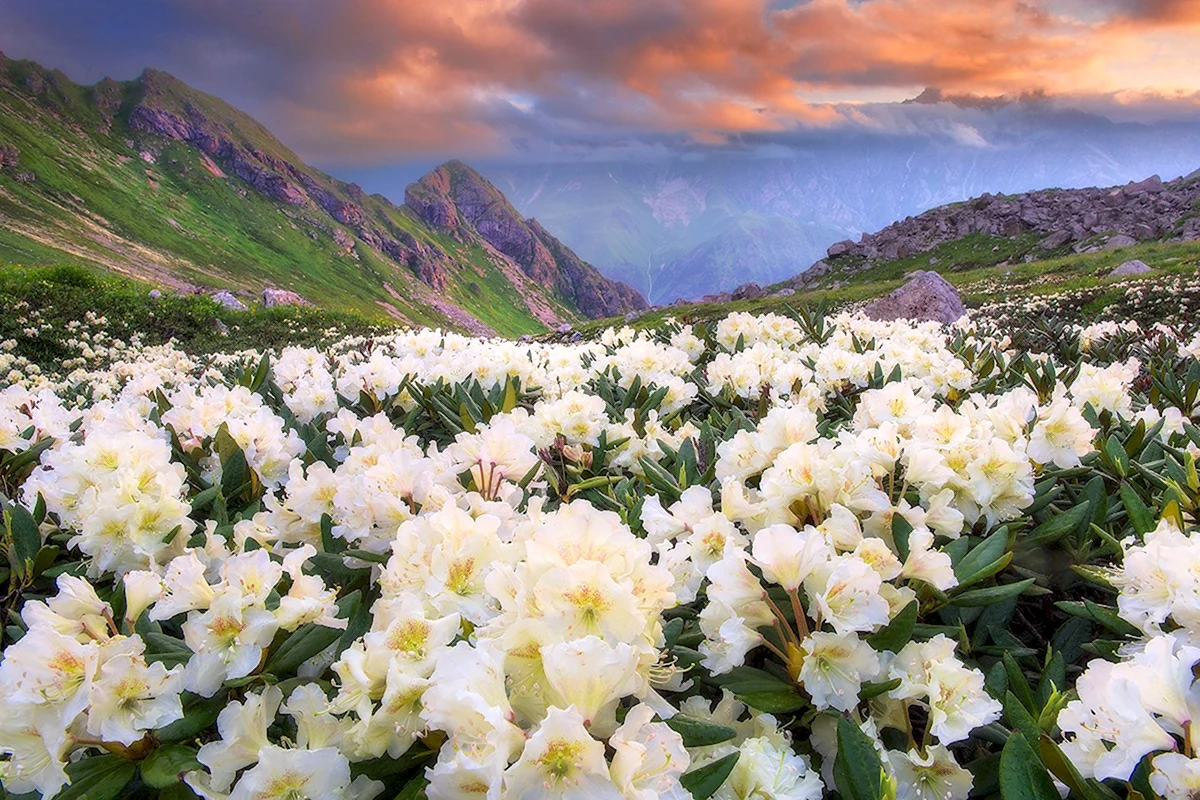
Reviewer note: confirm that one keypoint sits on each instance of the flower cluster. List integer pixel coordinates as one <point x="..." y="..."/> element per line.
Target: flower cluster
<point x="772" y="557"/>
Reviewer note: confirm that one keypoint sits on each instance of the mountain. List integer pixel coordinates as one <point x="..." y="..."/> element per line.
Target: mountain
<point x="155" y="179"/>
<point x="651" y="217"/>
<point x="1026" y="227"/>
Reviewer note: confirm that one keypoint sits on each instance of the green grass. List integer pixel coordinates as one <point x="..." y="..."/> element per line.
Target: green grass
<point x="977" y="284"/>
<point x="96" y="202"/>
<point x="64" y="294"/>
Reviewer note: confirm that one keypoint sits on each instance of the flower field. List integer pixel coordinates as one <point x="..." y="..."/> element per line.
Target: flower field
<point x="785" y="557"/>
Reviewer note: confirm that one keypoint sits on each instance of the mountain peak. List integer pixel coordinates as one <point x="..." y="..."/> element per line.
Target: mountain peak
<point x="456" y="199"/>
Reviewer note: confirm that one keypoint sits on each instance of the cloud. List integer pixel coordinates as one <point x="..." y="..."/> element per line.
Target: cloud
<point x="377" y="80"/>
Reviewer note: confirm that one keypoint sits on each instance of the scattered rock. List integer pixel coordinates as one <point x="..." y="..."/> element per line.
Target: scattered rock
<point x="282" y="297"/>
<point x="25" y="177"/>
<point x="840" y="248"/>
<point x="1152" y="185"/>
<point x="1134" y="267"/>
<point x="227" y="300"/>
<point x="525" y="338"/>
<point x="155" y="294"/>
<point x="8" y="156"/>
<point x="747" y="291"/>
<point x="1119" y="241"/>
<point x="221" y="328"/>
<point x="1055" y="240"/>
<point x="631" y="316"/>
<point x="928" y="296"/>
<point x="566" y="327"/>
<point x="787" y="292"/>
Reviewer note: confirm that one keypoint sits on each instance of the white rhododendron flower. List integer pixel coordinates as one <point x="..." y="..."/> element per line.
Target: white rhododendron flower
<point x="418" y="561"/>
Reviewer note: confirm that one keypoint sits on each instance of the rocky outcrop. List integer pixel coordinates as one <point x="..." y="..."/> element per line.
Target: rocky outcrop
<point x="1085" y="219"/>
<point x="8" y="156"/>
<point x="593" y="294"/>
<point x="747" y="291"/>
<point x="282" y="297"/>
<point x="926" y="297"/>
<point x="227" y="300"/>
<point x="458" y="201"/>
<point x="1133" y="267"/>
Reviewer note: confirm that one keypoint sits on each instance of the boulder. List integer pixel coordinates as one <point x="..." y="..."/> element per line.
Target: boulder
<point x="156" y="294"/>
<point x="1151" y="185"/>
<point x="282" y="297"/>
<point x="565" y="328"/>
<point x="1133" y="267"/>
<point x="840" y="248"/>
<point x="1055" y="240"/>
<point x="747" y="291"/>
<point x="928" y="296"/>
<point x="785" y="292"/>
<point x="227" y="300"/>
<point x="8" y="156"/>
<point x="1118" y="241"/>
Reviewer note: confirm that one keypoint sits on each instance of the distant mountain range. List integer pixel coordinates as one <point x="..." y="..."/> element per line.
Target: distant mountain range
<point x="701" y="223"/>
<point x="155" y="179"/>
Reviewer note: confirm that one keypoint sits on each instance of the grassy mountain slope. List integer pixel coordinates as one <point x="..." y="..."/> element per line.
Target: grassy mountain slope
<point x="155" y="180"/>
<point x="1033" y="270"/>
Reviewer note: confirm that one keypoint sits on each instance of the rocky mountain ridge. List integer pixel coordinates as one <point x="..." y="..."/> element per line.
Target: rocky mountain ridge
<point x="108" y="183"/>
<point x="1054" y="220"/>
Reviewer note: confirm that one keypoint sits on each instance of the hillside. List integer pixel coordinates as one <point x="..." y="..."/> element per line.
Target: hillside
<point x="156" y="180"/>
<point x="1048" y="253"/>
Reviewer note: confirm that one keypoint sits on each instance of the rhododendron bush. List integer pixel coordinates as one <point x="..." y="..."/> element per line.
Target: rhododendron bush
<point x="769" y="557"/>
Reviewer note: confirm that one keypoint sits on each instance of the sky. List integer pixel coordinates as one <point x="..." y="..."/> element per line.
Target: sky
<point x="363" y="82"/>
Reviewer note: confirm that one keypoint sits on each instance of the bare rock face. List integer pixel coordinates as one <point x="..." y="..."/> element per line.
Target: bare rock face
<point x="1092" y="218"/>
<point x="1119" y="241"/>
<point x="1134" y="267"/>
<point x="927" y="296"/>
<point x="840" y="248"/>
<point x="1151" y="185"/>
<point x="282" y="297"/>
<point x="1055" y="240"/>
<point x="227" y="300"/>
<point x="747" y="291"/>
<point x="460" y="202"/>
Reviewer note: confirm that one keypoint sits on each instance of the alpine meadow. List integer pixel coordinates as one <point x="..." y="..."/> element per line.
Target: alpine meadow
<point x="737" y="399"/>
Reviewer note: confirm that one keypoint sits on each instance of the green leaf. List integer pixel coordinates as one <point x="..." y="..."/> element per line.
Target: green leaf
<point x="234" y="467"/>
<point x="1061" y="767"/>
<point x="1018" y="684"/>
<point x="414" y="789"/>
<point x="857" y="770"/>
<point x="310" y="639"/>
<point x="1022" y="776"/>
<point x="901" y="530"/>
<point x="870" y="690"/>
<point x="1139" y="515"/>
<point x="898" y="632"/>
<point x="167" y="764"/>
<point x="97" y="778"/>
<point x="26" y="538"/>
<point x="745" y="680"/>
<point x="199" y="713"/>
<point x="1020" y="718"/>
<point x="698" y="732"/>
<point x="991" y="594"/>
<point x="1060" y="525"/>
<point x="778" y="702"/>
<point x="702" y="783"/>
<point x="987" y="552"/>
